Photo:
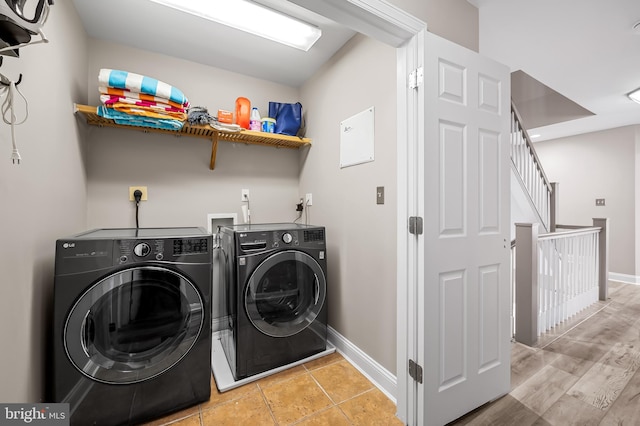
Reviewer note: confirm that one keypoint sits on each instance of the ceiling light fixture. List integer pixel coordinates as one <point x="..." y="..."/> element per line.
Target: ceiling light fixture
<point x="635" y="95"/>
<point x="252" y="18"/>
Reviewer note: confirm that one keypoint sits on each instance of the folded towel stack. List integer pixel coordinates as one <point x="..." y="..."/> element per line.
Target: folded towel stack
<point x="138" y="100"/>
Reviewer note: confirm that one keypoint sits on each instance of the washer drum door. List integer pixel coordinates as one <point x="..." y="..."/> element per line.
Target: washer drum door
<point x="285" y="293"/>
<point x="133" y="325"/>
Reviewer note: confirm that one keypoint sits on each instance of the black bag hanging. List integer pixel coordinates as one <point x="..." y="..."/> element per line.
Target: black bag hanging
<point x="288" y="117"/>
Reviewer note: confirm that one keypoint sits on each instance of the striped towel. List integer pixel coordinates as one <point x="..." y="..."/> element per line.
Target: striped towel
<point x="156" y="106"/>
<point x="147" y="112"/>
<point x="141" y="84"/>
<point x="112" y="91"/>
<point x="136" y="120"/>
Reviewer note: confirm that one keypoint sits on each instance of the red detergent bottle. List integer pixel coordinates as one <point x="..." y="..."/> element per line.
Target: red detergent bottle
<point x="243" y="111"/>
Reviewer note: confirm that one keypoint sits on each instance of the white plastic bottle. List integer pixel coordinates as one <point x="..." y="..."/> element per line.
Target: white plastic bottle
<point x="254" y="120"/>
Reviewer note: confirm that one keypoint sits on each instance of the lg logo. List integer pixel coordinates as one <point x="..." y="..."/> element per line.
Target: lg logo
<point x="68" y="245"/>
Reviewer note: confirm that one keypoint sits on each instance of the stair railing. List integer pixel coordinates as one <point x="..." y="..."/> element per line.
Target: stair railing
<point x="528" y="168"/>
<point x="557" y="275"/>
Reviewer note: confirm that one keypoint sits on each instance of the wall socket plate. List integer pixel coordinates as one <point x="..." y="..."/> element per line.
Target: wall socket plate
<point x="142" y="189"/>
<point x="245" y="195"/>
<point x="308" y="199"/>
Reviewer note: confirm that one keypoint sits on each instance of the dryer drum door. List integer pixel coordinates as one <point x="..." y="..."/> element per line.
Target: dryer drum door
<point x="285" y="293"/>
<point x="133" y="325"/>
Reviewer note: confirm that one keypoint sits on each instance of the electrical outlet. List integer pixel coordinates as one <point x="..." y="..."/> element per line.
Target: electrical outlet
<point x="142" y="189"/>
<point x="245" y="195"/>
<point x="600" y="202"/>
<point x="308" y="199"/>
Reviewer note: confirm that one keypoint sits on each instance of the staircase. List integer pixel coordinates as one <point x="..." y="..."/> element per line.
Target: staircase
<point x="554" y="274"/>
<point x="531" y="191"/>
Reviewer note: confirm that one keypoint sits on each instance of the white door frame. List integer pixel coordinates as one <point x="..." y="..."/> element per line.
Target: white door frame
<point x="391" y="25"/>
<point x="409" y="154"/>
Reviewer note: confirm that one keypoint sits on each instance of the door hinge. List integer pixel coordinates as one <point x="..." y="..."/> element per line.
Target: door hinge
<point x="415" y="371"/>
<point x="415" y="225"/>
<point x="416" y="77"/>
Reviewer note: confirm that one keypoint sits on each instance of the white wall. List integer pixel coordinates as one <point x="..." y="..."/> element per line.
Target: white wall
<point x="41" y="200"/>
<point x="455" y="20"/>
<point x="522" y="209"/>
<point x="597" y="165"/>
<point x="361" y="235"/>
<point x="182" y="189"/>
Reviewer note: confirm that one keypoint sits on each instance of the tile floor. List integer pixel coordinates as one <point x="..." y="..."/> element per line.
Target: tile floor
<point x="327" y="391"/>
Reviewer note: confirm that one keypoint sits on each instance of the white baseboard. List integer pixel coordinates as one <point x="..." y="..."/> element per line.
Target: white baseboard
<point x="624" y="278"/>
<point x="379" y="376"/>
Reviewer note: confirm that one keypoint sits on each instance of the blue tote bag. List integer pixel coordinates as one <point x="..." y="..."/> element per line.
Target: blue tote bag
<point x="288" y="117"/>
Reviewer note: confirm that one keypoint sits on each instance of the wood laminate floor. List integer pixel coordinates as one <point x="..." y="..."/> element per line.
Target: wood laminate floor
<point x="585" y="372"/>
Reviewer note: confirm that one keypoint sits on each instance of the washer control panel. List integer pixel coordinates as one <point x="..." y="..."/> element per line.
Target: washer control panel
<point x="130" y="251"/>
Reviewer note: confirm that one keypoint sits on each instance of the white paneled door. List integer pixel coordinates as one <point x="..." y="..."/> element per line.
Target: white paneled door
<point x="463" y="323"/>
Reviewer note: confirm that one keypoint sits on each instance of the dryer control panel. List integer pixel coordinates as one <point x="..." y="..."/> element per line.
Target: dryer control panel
<point x="253" y="241"/>
<point x="260" y="241"/>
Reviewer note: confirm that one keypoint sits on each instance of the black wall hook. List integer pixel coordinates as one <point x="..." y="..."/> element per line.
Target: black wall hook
<point x="9" y="84"/>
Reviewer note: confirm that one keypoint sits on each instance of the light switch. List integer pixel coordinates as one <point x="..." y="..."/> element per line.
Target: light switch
<point x="380" y="195"/>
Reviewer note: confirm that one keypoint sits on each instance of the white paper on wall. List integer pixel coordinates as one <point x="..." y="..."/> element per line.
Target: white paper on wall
<point x="357" y="139"/>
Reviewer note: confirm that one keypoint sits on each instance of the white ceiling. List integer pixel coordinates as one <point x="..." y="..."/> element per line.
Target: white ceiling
<point x="175" y="33"/>
<point x="585" y="50"/>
